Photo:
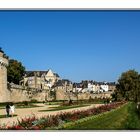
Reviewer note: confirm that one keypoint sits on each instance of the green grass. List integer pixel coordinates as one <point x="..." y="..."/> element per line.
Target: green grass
<point x="113" y="120"/>
<point x="2" y="107"/>
<point x="122" y="118"/>
<point x="53" y="103"/>
<point x="133" y="120"/>
<point x="63" y="107"/>
<point x="27" y="106"/>
<point x="4" y="116"/>
<point x="20" y="106"/>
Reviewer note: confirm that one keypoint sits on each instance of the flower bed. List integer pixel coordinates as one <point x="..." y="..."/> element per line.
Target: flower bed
<point x="51" y="121"/>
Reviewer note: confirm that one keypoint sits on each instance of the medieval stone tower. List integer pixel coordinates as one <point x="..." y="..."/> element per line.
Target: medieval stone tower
<point x="4" y="96"/>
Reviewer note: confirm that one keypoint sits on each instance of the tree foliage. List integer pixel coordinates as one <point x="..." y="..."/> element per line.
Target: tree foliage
<point x="15" y="71"/>
<point x="128" y="86"/>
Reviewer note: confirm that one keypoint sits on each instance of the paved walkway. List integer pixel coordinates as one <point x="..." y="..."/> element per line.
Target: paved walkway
<point x="26" y="112"/>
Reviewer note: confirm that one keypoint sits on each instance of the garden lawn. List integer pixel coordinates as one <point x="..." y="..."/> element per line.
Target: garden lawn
<point x="64" y="119"/>
<point x="4" y="116"/>
<point x="20" y="106"/>
<point x="122" y="118"/>
<point x="64" y="107"/>
<point x="53" y="103"/>
<point x="133" y="120"/>
<point x="26" y="106"/>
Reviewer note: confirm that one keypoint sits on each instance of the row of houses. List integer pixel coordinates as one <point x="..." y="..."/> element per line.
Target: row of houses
<point x="46" y="80"/>
<point x="94" y="87"/>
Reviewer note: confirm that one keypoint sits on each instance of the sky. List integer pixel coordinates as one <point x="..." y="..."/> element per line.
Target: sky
<point x="78" y="45"/>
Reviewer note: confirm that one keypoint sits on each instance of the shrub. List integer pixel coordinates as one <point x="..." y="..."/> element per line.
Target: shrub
<point x="33" y="101"/>
<point x="26" y="103"/>
<point x="50" y="121"/>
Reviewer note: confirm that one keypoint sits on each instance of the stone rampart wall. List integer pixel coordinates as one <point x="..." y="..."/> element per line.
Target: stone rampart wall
<point x="61" y="95"/>
<point x="20" y="94"/>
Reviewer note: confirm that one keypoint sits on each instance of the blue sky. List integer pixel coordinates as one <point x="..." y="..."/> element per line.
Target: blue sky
<point x="78" y="45"/>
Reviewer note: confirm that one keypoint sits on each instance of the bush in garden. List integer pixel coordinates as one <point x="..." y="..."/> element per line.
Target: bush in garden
<point x="50" y="121"/>
<point x="26" y="103"/>
<point x="33" y="101"/>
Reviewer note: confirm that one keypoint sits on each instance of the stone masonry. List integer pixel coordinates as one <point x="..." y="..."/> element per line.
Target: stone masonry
<point x="4" y="96"/>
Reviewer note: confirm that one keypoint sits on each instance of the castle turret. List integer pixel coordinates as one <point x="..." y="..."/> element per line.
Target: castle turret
<point x="4" y="97"/>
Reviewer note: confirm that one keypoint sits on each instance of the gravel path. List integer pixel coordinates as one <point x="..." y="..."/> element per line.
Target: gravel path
<point x="26" y="112"/>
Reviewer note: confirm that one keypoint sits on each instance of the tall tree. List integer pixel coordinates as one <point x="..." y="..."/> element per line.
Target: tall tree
<point x="128" y="86"/>
<point x="15" y="71"/>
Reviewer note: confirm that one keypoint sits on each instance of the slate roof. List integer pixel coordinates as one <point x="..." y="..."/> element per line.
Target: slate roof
<point x="62" y="82"/>
<point x="84" y="84"/>
<point x="77" y="85"/>
<point x="38" y="73"/>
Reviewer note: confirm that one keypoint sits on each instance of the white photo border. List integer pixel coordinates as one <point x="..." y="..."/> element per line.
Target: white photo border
<point x="69" y="4"/>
